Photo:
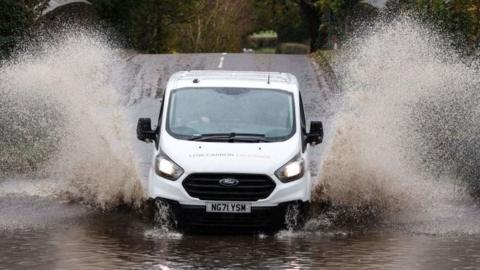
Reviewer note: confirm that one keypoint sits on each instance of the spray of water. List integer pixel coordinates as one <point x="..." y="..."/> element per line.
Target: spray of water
<point x="61" y="114"/>
<point x="406" y="130"/>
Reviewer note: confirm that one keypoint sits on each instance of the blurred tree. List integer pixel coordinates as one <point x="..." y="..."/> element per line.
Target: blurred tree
<point x="284" y="17"/>
<point x="114" y="12"/>
<point x="152" y="23"/>
<point x="17" y="17"/>
<point x="35" y="8"/>
<point x="217" y="25"/>
<point x="312" y="15"/>
<point x="146" y="24"/>
<point x="315" y="21"/>
<point x="339" y="18"/>
<point x="460" y="19"/>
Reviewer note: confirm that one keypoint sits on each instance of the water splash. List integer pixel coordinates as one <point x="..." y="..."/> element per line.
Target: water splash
<point x="407" y="127"/>
<point x="61" y="113"/>
<point x="292" y="217"/>
<point x="161" y="234"/>
<point x="164" y="218"/>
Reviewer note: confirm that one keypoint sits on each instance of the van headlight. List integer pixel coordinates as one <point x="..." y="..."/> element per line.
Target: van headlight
<point x="167" y="168"/>
<point x="293" y="170"/>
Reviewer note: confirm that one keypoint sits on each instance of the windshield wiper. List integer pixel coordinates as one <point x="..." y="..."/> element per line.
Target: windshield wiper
<point x="231" y="137"/>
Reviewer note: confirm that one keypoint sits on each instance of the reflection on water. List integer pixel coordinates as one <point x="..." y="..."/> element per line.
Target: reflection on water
<point x="124" y="241"/>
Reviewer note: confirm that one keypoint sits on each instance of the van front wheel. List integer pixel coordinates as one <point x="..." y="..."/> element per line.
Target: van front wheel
<point x="163" y="217"/>
<point x="296" y="215"/>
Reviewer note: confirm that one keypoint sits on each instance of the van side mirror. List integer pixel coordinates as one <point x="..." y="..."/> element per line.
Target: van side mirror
<point x="144" y="130"/>
<point x="315" y="136"/>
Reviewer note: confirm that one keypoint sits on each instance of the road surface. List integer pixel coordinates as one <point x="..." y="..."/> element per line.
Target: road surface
<point x="47" y="233"/>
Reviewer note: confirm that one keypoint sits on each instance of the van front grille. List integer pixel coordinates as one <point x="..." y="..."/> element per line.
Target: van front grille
<point x="207" y="186"/>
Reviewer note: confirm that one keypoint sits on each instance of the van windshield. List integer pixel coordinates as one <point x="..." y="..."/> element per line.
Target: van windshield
<point x="214" y="113"/>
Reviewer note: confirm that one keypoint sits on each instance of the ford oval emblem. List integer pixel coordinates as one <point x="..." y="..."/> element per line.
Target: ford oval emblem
<point x="228" y="182"/>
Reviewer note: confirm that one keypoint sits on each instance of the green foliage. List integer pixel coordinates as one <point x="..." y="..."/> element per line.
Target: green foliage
<point x="155" y="26"/>
<point x="262" y="40"/>
<point x="290" y="26"/>
<point x="146" y="24"/>
<point x="266" y="50"/>
<point x="459" y="18"/>
<point x="293" y="48"/>
<point x="13" y="23"/>
<point x="265" y="34"/>
<point x="16" y="19"/>
<point x="317" y="21"/>
<point x="187" y="26"/>
<point x="216" y="26"/>
<point x="339" y="17"/>
<point x="159" y="26"/>
<point x="325" y="59"/>
<point x="284" y="17"/>
<point x="115" y="12"/>
<point x="152" y="23"/>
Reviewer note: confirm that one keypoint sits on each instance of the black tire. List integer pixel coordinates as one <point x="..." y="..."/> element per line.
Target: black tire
<point x="163" y="215"/>
<point x="296" y="215"/>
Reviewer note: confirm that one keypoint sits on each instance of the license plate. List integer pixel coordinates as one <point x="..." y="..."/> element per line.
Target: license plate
<point x="228" y="207"/>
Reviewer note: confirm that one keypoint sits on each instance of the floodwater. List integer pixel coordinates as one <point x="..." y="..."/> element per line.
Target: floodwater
<point x="99" y="240"/>
<point x="397" y="165"/>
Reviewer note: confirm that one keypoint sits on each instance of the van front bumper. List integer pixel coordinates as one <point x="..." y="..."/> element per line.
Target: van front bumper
<point x="270" y="218"/>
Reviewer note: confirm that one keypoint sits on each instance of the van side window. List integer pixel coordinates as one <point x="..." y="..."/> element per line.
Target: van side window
<point x="302" y="116"/>
<point x="303" y="125"/>
<point x="161" y="110"/>
<point x="157" y="141"/>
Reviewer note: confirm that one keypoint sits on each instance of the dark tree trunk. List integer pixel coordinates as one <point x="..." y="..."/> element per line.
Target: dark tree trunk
<point x="312" y="17"/>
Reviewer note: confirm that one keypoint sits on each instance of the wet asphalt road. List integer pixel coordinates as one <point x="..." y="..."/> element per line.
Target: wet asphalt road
<point x="47" y="233"/>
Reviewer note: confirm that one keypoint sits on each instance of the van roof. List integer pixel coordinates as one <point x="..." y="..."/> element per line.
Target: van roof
<point x="224" y="78"/>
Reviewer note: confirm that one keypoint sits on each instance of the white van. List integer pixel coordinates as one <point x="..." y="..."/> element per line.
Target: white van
<point x="231" y="149"/>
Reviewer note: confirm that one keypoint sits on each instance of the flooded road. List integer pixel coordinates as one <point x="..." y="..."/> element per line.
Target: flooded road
<point x="392" y="211"/>
<point x="124" y="241"/>
<point x="39" y="230"/>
